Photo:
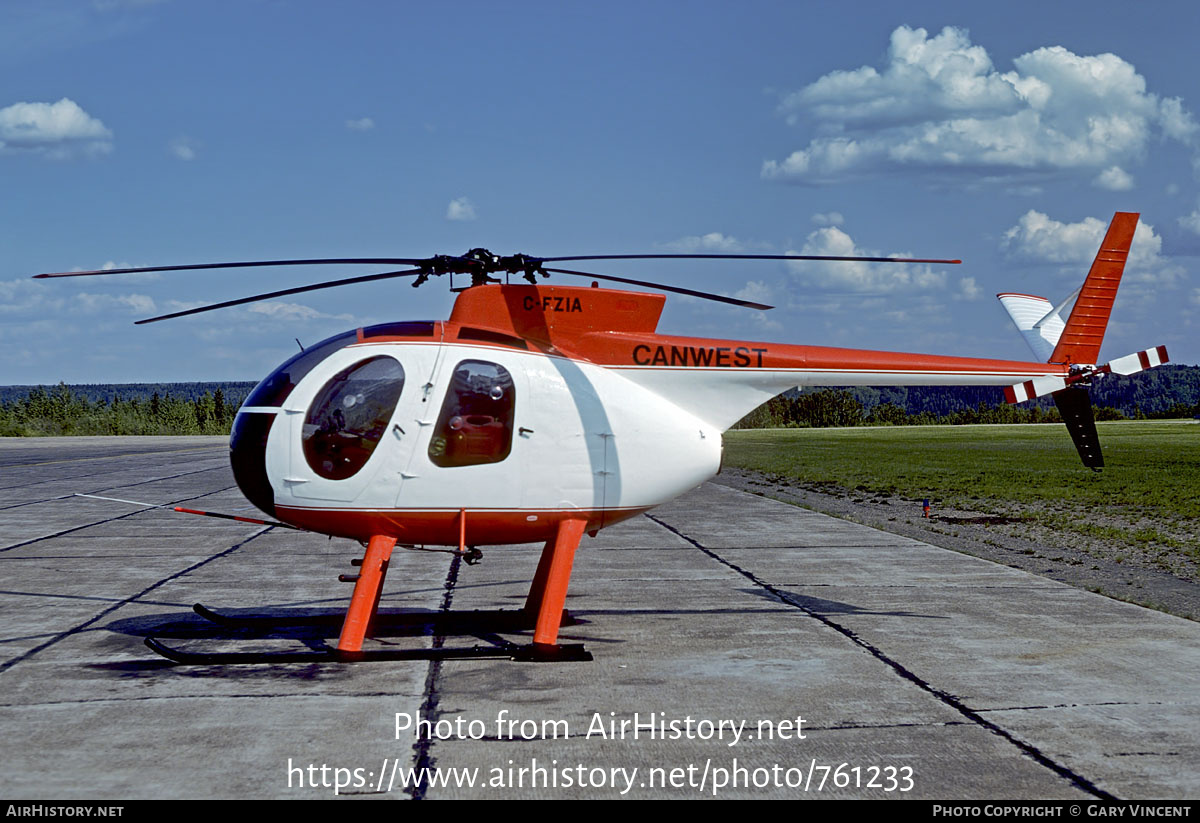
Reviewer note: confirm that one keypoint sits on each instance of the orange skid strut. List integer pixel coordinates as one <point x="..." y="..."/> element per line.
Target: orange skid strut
<point x="367" y="589"/>
<point x="549" y="590"/>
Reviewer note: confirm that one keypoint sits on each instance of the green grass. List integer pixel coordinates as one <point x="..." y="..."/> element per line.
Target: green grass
<point x="1149" y="491"/>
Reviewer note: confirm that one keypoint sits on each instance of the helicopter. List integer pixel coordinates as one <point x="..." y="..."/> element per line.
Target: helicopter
<point x="541" y="413"/>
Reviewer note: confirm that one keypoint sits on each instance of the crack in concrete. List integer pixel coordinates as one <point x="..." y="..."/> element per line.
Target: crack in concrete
<point x="111" y="519"/>
<point x="97" y="491"/>
<point x="1075" y="706"/>
<point x="86" y="701"/>
<point x="8" y="664"/>
<point x="1078" y="780"/>
<point x="423" y="758"/>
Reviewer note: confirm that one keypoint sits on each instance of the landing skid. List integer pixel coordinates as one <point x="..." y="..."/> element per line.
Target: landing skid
<point x="439" y="622"/>
<point x="500" y="620"/>
<point x="532" y="653"/>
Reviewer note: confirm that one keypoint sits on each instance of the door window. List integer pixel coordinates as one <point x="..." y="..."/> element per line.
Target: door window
<point x="476" y="422"/>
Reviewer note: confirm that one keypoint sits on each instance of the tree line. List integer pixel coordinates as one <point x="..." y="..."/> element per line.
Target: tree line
<point x="62" y="411"/>
<point x="839" y="407"/>
<point x="209" y="408"/>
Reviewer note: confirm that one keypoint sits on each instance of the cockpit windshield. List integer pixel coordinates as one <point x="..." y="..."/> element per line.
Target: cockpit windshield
<point x="276" y="386"/>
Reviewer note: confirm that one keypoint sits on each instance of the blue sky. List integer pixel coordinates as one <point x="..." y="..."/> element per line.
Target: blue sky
<point x="135" y="132"/>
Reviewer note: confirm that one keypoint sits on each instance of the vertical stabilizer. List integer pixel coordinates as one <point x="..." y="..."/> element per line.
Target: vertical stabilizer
<point x="1080" y="339"/>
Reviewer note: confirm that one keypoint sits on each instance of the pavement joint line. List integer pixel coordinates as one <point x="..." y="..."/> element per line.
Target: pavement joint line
<point x="8" y="664"/>
<point x="105" y="489"/>
<point x="107" y="457"/>
<point x="1080" y="705"/>
<point x="1076" y="779"/>
<point x="423" y="760"/>
<point x="1037" y="586"/>
<point x="86" y="701"/>
<point x="111" y="519"/>
<point x="61" y="596"/>
<point x="63" y="478"/>
<point x="165" y="603"/>
<point x="26" y="637"/>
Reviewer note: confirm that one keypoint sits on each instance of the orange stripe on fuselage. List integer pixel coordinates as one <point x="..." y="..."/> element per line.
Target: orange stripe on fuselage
<point x="661" y="351"/>
<point x="440" y="527"/>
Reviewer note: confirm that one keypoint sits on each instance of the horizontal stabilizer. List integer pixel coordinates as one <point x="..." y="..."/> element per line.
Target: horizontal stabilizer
<point x="1037" y="320"/>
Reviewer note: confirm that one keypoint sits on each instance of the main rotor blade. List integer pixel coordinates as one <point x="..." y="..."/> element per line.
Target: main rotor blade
<point x="282" y="293"/>
<point x="746" y="257"/>
<point x="374" y="261"/>
<point x="703" y="294"/>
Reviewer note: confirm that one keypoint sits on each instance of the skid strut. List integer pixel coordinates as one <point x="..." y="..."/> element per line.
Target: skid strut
<point x="548" y="593"/>
<point x="365" y="600"/>
<point x="543" y="612"/>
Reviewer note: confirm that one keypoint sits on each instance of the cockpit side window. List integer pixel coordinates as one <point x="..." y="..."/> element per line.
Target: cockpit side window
<point x="349" y="416"/>
<point x="476" y="423"/>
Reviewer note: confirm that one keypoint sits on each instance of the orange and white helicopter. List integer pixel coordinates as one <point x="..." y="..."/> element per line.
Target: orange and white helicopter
<point x="541" y="412"/>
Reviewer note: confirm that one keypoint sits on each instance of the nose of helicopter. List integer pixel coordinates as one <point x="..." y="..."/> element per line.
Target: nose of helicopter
<point x="248" y="458"/>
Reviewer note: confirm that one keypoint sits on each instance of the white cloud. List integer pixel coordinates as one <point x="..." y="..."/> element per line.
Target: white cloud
<point x="712" y="242"/>
<point x="129" y="303"/>
<point x="272" y="309"/>
<point x="286" y="311"/>
<point x="112" y="5"/>
<point x="361" y="124"/>
<point x="57" y="130"/>
<point x="757" y="291"/>
<point x="1114" y="178"/>
<point x="1191" y="222"/>
<point x="1041" y="239"/>
<point x="460" y="209"/>
<point x="24" y="298"/>
<point x="857" y="276"/>
<point x="832" y="218"/>
<point x="1177" y="121"/>
<point x="940" y="104"/>
<point x="278" y="310"/>
<point x="183" y="147"/>
<point x="968" y="289"/>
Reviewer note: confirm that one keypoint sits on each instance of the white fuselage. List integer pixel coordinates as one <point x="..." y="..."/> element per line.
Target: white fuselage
<point x="583" y="438"/>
